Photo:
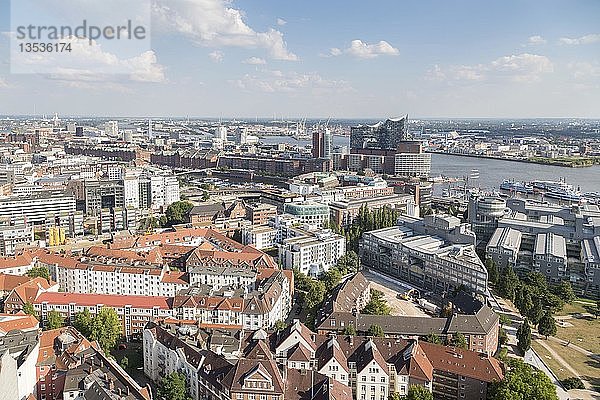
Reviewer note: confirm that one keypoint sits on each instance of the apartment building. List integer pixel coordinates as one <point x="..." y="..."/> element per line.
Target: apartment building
<point x="312" y="253"/>
<point x="14" y="238"/>
<point x="435" y="253"/>
<point x="133" y="311"/>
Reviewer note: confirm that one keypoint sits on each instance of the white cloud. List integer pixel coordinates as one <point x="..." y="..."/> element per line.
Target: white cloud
<point x="281" y="21"/>
<point x="274" y="81"/>
<point x="214" y="23"/>
<point x="360" y="49"/>
<point x="89" y="62"/>
<point x="536" y="40"/>
<point x="516" y="68"/>
<point x="584" y="70"/>
<point x="254" y="61"/>
<point x="587" y="39"/>
<point x="3" y="83"/>
<point x="216" y="56"/>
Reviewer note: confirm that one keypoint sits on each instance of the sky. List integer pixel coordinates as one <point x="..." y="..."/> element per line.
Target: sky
<point x="335" y="58"/>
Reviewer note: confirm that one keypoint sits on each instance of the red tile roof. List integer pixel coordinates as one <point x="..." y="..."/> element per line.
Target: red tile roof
<point x="110" y="300"/>
<point x="22" y="321"/>
<point x="20" y="260"/>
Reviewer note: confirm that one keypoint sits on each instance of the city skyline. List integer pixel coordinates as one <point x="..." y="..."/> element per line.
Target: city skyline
<point x="342" y="60"/>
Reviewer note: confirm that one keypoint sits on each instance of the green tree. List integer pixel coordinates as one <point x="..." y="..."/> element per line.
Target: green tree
<point x="547" y="325"/>
<point x="348" y="263"/>
<point x="504" y="320"/>
<point x="524" y="336"/>
<point x="565" y="292"/>
<point x="377" y="305"/>
<point x="124" y="363"/>
<point x="492" y="270"/>
<point x="433" y="338"/>
<point x="419" y="392"/>
<point x="177" y="213"/>
<point x="279" y="325"/>
<point x="54" y="320"/>
<point x="331" y="278"/>
<point x="315" y="293"/>
<point x="507" y="284"/>
<point x="173" y="387"/>
<point x="522" y="382"/>
<point x="375" y="330"/>
<point x="350" y="330"/>
<point x="536" y="312"/>
<point x="106" y="328"/>
<point x="29" y="309"/>
<point x="83" y="322"/>
<point x="572" y="383"/>
<point x="41" y="272"/>
<point x="459" y="340"/>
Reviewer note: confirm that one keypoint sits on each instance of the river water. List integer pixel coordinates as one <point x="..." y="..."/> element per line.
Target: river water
<point x="491" y="172"/>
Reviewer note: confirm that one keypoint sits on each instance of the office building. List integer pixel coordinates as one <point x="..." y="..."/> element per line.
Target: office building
<point x="435" y="253"/>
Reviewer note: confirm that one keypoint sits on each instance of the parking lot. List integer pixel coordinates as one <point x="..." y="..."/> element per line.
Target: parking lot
<point x="390" y="290"/>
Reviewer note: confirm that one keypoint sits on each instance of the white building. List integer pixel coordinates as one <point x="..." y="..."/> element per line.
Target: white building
<point x="313" y="253"/>
<point x="261" y="237"/>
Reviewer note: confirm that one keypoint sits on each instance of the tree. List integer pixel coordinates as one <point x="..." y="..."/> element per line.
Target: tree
<point x="377" y="305"/>
<point x="173" y="387"/>
<point x="177" y="213"/>
<point x="41" y="272"/>
<point x="315" y="293"/>
<point x="597" y="312"/>
<point x="279" y="325"/>
<point x="106" y="328"/>
<point x="418" y="392"/>
<point x="565" y="292"/>
<point x="524" y="336"/>
<point x="350" y="330"/>
<point x="492" y="270"/>
<point x="536" y="312"/>
<point x="83" y="322"/>
<point x="523" y="382"/>
<point x="331" y="278"/>
<point x="29" y="309"/>
<point x="124" y="363"/>
<point x="54" y="320"/>
<point x="502" y="337"/>
<point x="547" y="325"/>
<point x="572" y="383"/>
<point x="508" y="283"/>
<point x="504" y="320"/>
<point x="348" y="263"/>
<point x="375" y="330"/>
<point x="459" y="340"/>
<point x="433" y="338"/>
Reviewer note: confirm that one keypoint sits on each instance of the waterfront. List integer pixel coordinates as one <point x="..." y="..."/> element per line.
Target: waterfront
<point x="492" y="172"/>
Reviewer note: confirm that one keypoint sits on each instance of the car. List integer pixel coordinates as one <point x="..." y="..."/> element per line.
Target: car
<point x="122" y="346"/>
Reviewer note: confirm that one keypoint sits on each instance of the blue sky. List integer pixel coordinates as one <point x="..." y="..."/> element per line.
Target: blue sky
<point x="344" y="59"/>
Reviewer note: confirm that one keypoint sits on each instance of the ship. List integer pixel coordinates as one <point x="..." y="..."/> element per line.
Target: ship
<point x="517" y="187"/>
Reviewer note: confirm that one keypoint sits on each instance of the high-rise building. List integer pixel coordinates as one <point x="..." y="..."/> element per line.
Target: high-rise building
<point x="221" y="133"/>
<point x="383" y="135"/>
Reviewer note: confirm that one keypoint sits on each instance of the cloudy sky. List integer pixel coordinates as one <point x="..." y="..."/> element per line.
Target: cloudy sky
<point x="338" y="58"/>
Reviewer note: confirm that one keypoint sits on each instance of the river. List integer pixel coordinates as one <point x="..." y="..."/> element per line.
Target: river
<point x="491" y="172"/>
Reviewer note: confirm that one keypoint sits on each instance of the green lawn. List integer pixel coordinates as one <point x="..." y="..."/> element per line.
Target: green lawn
<point x="560" y="372"/>
<point x="588" y="368"/>
<point x="584" y="333"/>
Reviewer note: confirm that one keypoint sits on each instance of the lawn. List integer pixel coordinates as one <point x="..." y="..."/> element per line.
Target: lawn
<point x="560" y="372"/>
<point x="574" y="308"/>
<point x="584" y="333"/>
<point x="588" y="368"/>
